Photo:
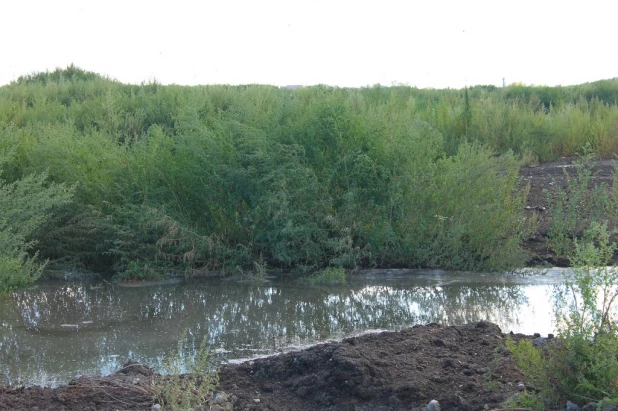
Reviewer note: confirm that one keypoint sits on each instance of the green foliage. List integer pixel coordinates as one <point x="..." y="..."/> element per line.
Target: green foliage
<point x="592" y="287"/>
<point x="71" y="73"/>
<point x="607" y="401"/>
<point x="538" y="369"/>
<point x="578" y="206"/>
<point x="172" y="179"/>
<point x="25" y="205"/>
<point x="581" y="364"/>
<point x="328" y="276"/>
<point x="468" y="203"/>
<point x="189" y="381"/>
<point x="18" y="270"/>
<point x="525" y="400"/>
<point x="140" y="271"/>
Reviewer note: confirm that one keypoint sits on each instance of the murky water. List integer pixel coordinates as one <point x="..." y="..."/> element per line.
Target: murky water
<point x="55" y="331"/>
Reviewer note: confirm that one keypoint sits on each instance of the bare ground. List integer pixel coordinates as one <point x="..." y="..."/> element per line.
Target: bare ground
<point x="465" y="368"/>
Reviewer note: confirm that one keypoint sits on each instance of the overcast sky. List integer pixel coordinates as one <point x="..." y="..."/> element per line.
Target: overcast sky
<point x="427" y="43"/>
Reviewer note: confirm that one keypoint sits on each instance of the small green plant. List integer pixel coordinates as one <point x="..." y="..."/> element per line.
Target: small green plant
<point x="606" y="401"/>
<point x="140" y="271"/>
<point x="525" y="399"/>
<point x="255" y="276"/>
<point x="574" y="208"/>
<point x="489" y="383"/>
<point x="328" y="276"/>
<point x="592" y="287"/>
<point x="533" y="364"/>
<point x="177" y="391"/>
<point x="580" y="364"/>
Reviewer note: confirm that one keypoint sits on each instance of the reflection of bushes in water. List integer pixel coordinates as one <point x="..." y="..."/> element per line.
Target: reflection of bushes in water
<point x="461" y="305"/>
<point x="272" y="315"/>
<point x="269" y="310"/>
<point x="262" y="304"/>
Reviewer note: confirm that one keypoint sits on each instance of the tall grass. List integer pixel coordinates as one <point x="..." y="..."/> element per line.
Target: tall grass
<point x="172" y="178"/>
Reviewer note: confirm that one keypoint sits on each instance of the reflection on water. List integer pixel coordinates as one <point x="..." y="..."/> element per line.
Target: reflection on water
<point x="52" y="332"/>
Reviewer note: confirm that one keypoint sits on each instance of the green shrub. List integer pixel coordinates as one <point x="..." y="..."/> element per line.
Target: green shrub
<point x="580" y="364"/>
<point x="194" y="388"/>
<point x="25" y="205"/>
<point x="577" y="207"/>
<point x="140" y="271"/>
<point x="466" y="213"/>
<point x="19" y="271"/>
<point x="183" y="179"/>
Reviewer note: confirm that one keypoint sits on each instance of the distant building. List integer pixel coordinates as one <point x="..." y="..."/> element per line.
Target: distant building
<point x="293" y="87"/>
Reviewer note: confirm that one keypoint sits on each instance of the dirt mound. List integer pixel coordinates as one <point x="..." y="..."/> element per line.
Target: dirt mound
<point x="463" y="367"/>
<point x="128" y="389"/>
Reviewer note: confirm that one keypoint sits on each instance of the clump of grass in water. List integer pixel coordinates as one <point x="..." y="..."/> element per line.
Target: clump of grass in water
<point x="140" y="271"/>
<point x="328" y="276"/>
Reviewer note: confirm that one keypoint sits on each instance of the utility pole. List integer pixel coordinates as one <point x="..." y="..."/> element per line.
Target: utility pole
<point x="503" y="82"/>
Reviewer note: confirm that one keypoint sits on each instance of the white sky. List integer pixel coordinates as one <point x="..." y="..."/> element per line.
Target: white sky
<point x="428" y="43"/>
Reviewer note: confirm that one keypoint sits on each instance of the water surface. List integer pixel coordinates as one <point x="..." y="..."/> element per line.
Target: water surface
<point x="55" y="331"/>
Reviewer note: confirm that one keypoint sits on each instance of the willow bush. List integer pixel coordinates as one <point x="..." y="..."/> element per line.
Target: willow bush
<point x="25" y="204"/>
<point x="182" y="179"/>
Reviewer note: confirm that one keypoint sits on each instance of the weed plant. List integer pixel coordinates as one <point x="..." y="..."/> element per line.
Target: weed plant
<point x="328" y="276"/>
<point x="179" y="180"/>
<point x="580" y="364"/>
<point x="579" y="205"/>
<point x="188" y="382"/>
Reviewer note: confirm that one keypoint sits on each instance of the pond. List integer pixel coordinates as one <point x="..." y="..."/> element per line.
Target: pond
<point x="55" y="331"/>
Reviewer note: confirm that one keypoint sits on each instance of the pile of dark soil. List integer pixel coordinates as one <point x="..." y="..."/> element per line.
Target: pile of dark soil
<point x="463" y="367"/>
<point x="128" y="389"/>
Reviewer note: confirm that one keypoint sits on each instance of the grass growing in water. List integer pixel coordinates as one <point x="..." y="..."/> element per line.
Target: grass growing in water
<point x="328" y="276"/>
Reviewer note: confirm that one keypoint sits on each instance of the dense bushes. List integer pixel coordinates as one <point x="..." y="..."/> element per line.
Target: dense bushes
<point x="25" y="205"/>
<point x="171" y="178"/>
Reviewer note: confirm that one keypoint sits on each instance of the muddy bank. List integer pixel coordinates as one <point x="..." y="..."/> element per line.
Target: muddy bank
<point x="463" y="367"/>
